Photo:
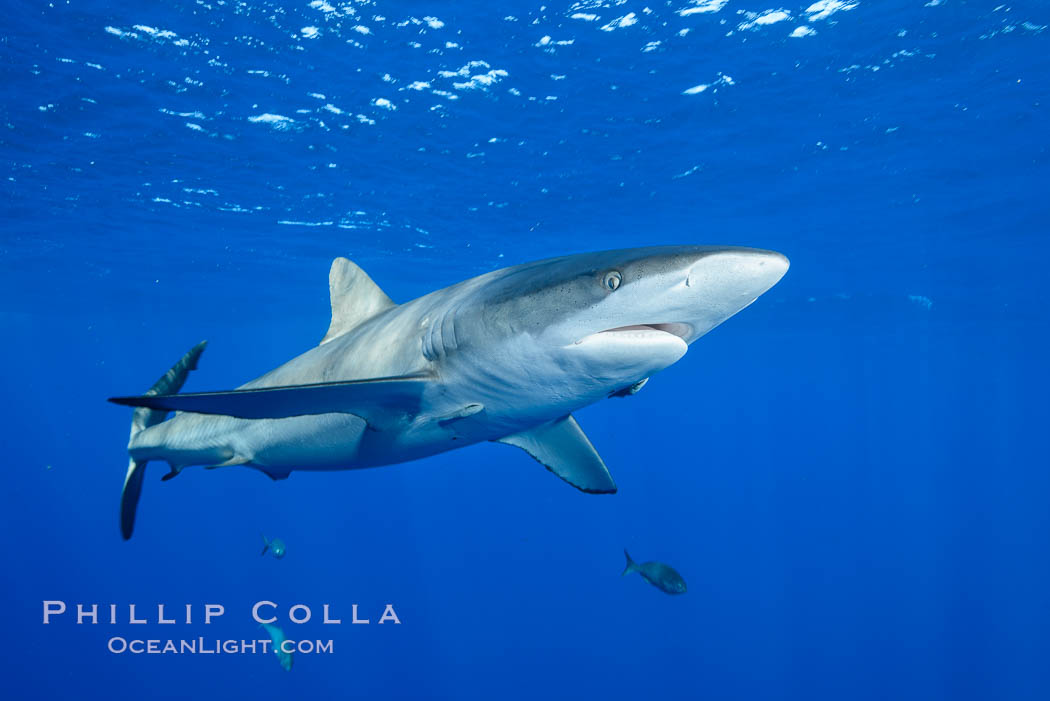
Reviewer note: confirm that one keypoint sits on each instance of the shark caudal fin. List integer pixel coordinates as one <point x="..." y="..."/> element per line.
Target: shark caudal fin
<point x="142" y="418"/>
<point x="631" y="566"/>
<point x="266" y="544"/>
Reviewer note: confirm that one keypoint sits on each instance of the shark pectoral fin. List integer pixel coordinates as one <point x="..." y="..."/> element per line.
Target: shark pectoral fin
<point x="369" y="399"/>
<point x="631" y="390"/>
<point x="562" y="447"/>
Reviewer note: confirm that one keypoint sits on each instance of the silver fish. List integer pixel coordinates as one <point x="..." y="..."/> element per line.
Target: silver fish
<point x="275" y="546"/>
<point x="663" y="577"/>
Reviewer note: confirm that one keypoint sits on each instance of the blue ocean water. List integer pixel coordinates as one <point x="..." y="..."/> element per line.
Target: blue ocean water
<point x="851" y="475"/>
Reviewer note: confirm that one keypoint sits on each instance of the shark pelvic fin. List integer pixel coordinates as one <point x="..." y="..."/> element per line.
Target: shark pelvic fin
<point x="370" y="399"/>
<point x="230" y="462"/>
<point x="563" y="448"/>
<point x="355" y="298"/>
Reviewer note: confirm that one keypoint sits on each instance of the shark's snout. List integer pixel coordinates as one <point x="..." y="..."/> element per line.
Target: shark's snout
<point x="769" y="267"/>
<point x="718" y="285"/>
<point x="744" y="272"/>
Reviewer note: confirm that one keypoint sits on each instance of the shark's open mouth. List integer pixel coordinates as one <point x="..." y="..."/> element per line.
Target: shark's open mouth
<point x="641" y="348"/>
<point x="683" y="331"/>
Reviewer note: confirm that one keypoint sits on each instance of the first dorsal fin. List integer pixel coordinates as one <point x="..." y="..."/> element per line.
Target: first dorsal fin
<point x="355" y="298"/>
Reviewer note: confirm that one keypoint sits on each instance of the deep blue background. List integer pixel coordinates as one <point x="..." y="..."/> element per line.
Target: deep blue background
<point x="852" y="475"/>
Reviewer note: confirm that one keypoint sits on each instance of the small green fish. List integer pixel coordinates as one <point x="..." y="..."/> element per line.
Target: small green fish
<point x="661" y="576"/>
<point x="275" y="546"/>
<point x="277" y="636"/>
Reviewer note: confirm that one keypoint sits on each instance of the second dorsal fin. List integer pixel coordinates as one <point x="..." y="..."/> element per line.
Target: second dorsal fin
<point x="355" y="298"/>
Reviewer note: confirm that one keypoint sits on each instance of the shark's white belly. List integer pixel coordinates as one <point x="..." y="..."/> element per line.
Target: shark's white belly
<point x="323" y="442"/>
<point x="345" y="441"/>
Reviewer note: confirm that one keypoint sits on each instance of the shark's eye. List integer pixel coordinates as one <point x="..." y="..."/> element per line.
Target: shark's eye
<point x="612" y="280"/>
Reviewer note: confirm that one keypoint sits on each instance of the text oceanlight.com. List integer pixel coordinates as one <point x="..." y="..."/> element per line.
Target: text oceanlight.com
<point x="200" y="646"/>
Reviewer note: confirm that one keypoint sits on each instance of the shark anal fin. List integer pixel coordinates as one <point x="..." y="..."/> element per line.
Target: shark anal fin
<point x="275" y="473"/>
<point x="355" y="298"/>
<point x="563" y="448"/>
<point x="365" y="398"/>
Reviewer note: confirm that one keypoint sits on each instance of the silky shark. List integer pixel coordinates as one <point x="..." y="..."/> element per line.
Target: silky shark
<point x="506" y="356"/>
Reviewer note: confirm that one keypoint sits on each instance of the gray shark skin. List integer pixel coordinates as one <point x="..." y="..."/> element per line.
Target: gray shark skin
<point x="506" y="356"/>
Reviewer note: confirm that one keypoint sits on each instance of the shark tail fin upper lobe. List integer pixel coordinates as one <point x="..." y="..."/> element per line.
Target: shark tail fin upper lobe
<point x="141" y="419"/>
